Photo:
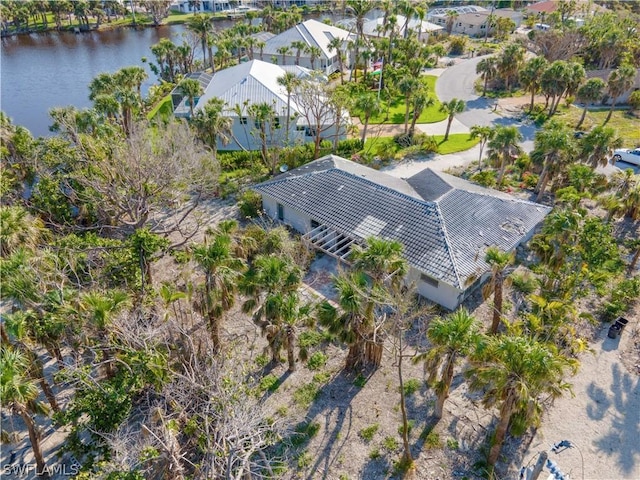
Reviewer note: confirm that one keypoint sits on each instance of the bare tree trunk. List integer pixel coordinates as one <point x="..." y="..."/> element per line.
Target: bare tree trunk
<point x="291" y="341"/>
<point x="33" y="437"/>
<point x="501" y="431"/>
<point x="584" y="114"/>
<point x="497" y="304"/>
<point x="407" y="459"/>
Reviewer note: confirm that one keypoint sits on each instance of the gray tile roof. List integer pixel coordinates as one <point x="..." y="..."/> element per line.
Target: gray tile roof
<point x="445" y="223"/>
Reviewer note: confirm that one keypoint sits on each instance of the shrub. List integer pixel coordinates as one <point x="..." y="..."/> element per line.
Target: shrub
<point x="367" y="433"/>
<point x="410" y="425"/>
<point x="250" y="204"/>
<point x="348" y="147"/>
<point x="360" y="381"/>
<point x="306" y="395"/>
<point x="269" y="383"/>
<point x="411" y="386"/>
<point x="317" y="361"/>
<point x="621" y="297"/>
<point x="529" y="180"/>
<point x="486" y="178"/>
<point x="457" y="45"/>
<point x="238" y="160"/>
<point x="391" y="444"/>
<point x="432" y="440"/>
<point x="634" y="100"/>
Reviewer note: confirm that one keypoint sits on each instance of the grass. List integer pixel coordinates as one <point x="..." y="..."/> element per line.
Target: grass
<point x="457" y="142"/>
<point x="411" y="386"/>
<point x="306" y="395"/>
<point x="627" y="126"/>
<point x="317" y="361"/>
<point x="393" y="110"/>
<point x="391" y="444"/>
<point x="367" y="433"/>
<point x="269" y="383"/>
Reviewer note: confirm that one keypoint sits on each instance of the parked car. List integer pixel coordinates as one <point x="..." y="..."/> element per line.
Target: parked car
<point x="628" y="155"/>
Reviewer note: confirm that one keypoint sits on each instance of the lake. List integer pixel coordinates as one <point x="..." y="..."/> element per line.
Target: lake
<point x="45" y="70"/>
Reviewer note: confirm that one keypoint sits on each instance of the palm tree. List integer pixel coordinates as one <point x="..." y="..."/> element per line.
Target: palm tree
<point x="18" y="228"/>
<point x="19" y="393"/>
<point x="299" y="46"/>
<point x="261" y="44"/>
<point x="513" y="372"/>
<point x="509" y="63"/>
<point x="499" y="261"/>
<point x="191" y="89"/>
<point x="381" y="259"/>
<point x="553" y="147"/>
<point x="222" y="270"/>
<point x="487" y="68"/>
<point x="504" y="145"/>
<point x="620" y="80"/>
<point x="202" y="26"/>
<point x="289" y="81"/>
<point x="452" y="15"/>
<point x="421" y="100"/>
<point x="484" y="133"/>
<point x="267" y="284"/>
<point x="284" y="51"/>
<point x="359" y="9"/>
<point x="451" y="107"/>
<point x="132" y="77"/>
<point x="370" y="106"/>
<point x="263" y="114"/>
<point x="101" y="307"/>
<point x="530" y="76"/>
<point x="591" y="91"/>
<point x="335" y="44"/>
<point x="407" y="84"/>
<point x="598" y="145"/>
<point x="554" y="82"/>
<point x="213" y="125"/>
<point x="451" y="337"/>
<point x="314" y="53"/>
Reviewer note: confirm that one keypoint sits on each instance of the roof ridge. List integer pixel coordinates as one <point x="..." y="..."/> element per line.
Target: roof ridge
<point x="447" y="242"/>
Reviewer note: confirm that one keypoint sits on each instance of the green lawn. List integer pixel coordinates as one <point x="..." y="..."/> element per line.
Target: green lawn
<point x="628" y="126"/>
<point x="395" y="109"/>
<point x="457" y="142"/>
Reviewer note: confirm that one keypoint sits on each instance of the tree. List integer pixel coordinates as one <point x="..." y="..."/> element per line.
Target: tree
<point x="597" y="146"/>
<point x="284" y="50"/>
<point x="335" y="44"/>
<point x="499" y="261"/>
<point x="299" y="46"/>
<point x="591" y="91"/>
<point x="314" y="53"/>
<point x="513" y="372"/>
<point x="19" y="393"/>
<point x="509" y="63"/>
<point x="420" y="100"/>
<point x="451" y="107"/>
<point x="264" y="119"/>
<point x="488" y="69"/>
<point x="289" y="81"/>
<point x="554" y="82"/>
<point x="19" y="229"/>
<point x="407" y="84"/>
<point x="531" y="75"/>
<point x="620" y="80"/>
<point x="359" y="9"/>
<point x="222" y="270"/>
<point x="504" y="145"/>
<point x="369" y="105"/>
<point x="485" y="134"/>
<point x="452" y="15"/>
<point x="191" y="89"/>
<point x="451" y="337"/>
<point x="552" y="148"/>
<point x="202" y="26"/>
<point x="213" y="125"/>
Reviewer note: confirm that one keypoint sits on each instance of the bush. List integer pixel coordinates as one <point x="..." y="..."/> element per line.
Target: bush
<point x="634" y="100"/>
<point x="367" y="433"/>
<point x="621" y="297"/>
<point x="411" y="386"/>
<point x="250" y="204"/>
<point x="348" y="147"/>
<point x="457" y="45"/>
<point x="238" y="160"/>
<point x="486" y="178"/>
<point x="317" y="361"/>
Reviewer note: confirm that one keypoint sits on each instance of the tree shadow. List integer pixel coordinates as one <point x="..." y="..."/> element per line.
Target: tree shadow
<point x="622" y="439"/>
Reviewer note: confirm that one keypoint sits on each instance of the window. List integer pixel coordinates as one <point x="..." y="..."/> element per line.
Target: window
<point x="257" y="124"/>
<point x="243" y="120"/>
<point x="310" y="132"/>
<point x="276" y="123"/>
<point x="429" y="280"/>
<point x="314" y="224"/>
<point x="280" y="212"/>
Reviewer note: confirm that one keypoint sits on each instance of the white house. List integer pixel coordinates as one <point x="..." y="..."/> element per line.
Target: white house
<point x="472" y="20"/>
<point x="374" y="27"/>
<point x="311" y="33"/>
<point x="256" y="82"/>
<point x="444" y="223"/>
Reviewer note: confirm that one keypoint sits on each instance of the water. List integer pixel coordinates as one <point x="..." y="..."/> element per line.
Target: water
<point x="41" y="71"/>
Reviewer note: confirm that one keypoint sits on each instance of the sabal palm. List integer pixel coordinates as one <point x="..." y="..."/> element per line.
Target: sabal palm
<point x="370" y="106"/>
<point x="335" y="44"/>
<point x="132" y="77"/>
<point x="359" y="9"/>
<point x="381" y="259"/>
<point x="504" y="145"/>
<point x="512" y="372"/>
<point x="591" y="91"/>
<point x="191" y="89"/>
<point x="284" y="51"/>
<point x="509" y="62"/>
<point x="620" y="80"/>
<point x="289" y="81"/>
<point x="222" y="270"/>
<point x="18" y="228"/>
<point x="484" y="133"/>
<point x="407" y="84"/>
<point x="488" y="69"/>
<point x="212" y="125"/>
<point x="451" y="108"/>
<point x="20" y="393"/>
<point x="263" y="113"/>
<point x="531" y="74"/>
<point x="202" y="26"/>
<point x="598" y="145"/>
<point x="451" y="337"/>
<point x="314" y="53"/>
<point x="299" y="47"/>
<point x="499" y="261"/>
<point x="421" y="100"/>
<point x="553" y="147"/>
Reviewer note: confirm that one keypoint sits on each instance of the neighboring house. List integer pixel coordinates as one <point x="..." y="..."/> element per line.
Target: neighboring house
<point x="472" y="20"/>
<point x="179" y="102"/>
<point x="444" y="223"/>
<point x="311" y="33"/>
<point x="582" y="9"/>
<point x="375" y="27"/>
<point x="604" y="75"/>
<point x="255" y="82"/>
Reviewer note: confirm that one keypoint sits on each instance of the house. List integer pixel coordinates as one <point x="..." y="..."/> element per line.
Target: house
<point x="374" y="27"/>
<point x="255" y="82"/>
<point x="444" y="223"/>
<point x="604" y="75"/>
<point x="471" y="20"/>
<point x="311" y="33"/>
<point x="582" y="9"/>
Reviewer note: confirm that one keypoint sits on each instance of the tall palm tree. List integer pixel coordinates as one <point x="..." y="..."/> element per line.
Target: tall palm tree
<point x="513" y="372"/>
<point x="420" y="100"/>
<point x="451" y="108"/>
<point x="487" y="68"/>
<point x="620" y="80"/>
<point x="553" y="147"/>
<point x="359" y="9"/>
<point x="18" y="228"/>
<point x="504" y="145"/>
<point x="531" y="74"/>
<point x="191" y="89"/>
<point x="597" y="146"/>
<point x="591" y="91"/>
<point x="213" y="125"/>
<point x="335" y="44"/>
<point x="452" y="15"/>
<point x="222" y="270"/>
<point x="284" y="51"/>
<point x="264" y="115"/>
<point x="299" y="47"/>
<point x="370" y="106"/>
<point x="381" y="259"/>
<point x="451" y="337"/>
<point x="314" y="53"/>
<point x="499" y="262"/>
<point x="202" y="26"/>
<point x="132" y="77"/>
<point x="484" y="133"/>
<point x="510" y="62"/>
<point x="407" y="84"/>
<point x="289" y="81"/>
<point x="554" y="82"/>
<point x="19" y="393"/>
